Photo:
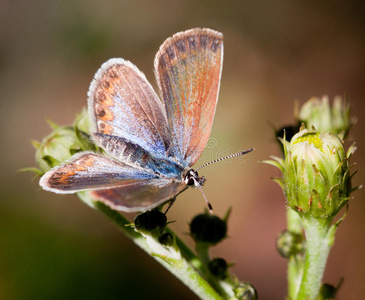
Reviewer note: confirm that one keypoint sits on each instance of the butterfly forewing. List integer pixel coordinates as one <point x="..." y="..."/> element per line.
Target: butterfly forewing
<point x="188" y="68"/>
<point x="90" y="171"/>
<point x="122" y="103"/>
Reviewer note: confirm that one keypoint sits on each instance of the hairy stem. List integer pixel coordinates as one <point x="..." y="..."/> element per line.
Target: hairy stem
<point x="178" y="262"/>
<point x="319" y="242"/>
<point x="295" y="261"/>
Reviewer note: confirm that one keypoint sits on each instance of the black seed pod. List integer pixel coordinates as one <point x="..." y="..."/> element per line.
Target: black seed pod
<point x="151" y="222"/>
<point x="208" y="229"/>
<point x="167" y="239"/>
<point x="289" y="131"/>
<point x="327" y="291"/>
<point x="218" y="267"/>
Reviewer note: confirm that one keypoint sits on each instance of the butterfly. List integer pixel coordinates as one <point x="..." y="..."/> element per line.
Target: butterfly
<point x="149" y="144"/>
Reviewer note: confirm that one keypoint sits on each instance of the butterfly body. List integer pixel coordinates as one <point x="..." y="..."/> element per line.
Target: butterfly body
<point x="149" y="144"/>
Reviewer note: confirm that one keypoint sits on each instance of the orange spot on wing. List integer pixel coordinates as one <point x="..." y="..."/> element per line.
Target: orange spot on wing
<point x="103" y="97"/>
<point x="103" y="113"/>
<point x="63" y="179"/>
<point x="89" y="161"/>
<point x="105" y="128"/>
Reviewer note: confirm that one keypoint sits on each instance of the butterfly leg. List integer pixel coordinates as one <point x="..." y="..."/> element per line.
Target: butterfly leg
<point x="170" y="204"/>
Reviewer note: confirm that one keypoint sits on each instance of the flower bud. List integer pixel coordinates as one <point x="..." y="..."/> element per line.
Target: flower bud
<point x="319" y="114"/>
<point x="218" y="267"/>
<point x="151" y="222"/>
<point x="82" y="121"/>
<point x="245" y="291"/>
<point x="316" y="176"/>
<point x="57" y="147"/>
<point x="64" y="142"/>
<point x="289" y="243"/>
<point x="209" y="229"/>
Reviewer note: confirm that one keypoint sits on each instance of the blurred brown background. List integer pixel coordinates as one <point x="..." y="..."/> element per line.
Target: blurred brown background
<point x="54" y="247"/>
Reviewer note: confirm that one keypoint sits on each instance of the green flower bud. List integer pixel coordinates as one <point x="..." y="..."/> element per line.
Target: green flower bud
<point x="208" y="229"/>
<point x="289" y="243"/>
<point x="316" y="173"/>
<point x="245" y="291"/>
<point x="63" y="142"/>
<point x="82" y="121"/>
<point x="57" y="147"/>
<point x="218" y="267"/>
<point x="319" y="114"/>
<point x="151" y="222"/>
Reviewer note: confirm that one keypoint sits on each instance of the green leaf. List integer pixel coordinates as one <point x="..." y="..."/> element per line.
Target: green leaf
<point x="52" y="124"/>
<point x="35" y="144"/>
<point x="333" y="228"/>
<point x="279" y="181"/>
<point x="51" y="161"/>
<point x="275" y="164"/>
<point x="32" y="169"/>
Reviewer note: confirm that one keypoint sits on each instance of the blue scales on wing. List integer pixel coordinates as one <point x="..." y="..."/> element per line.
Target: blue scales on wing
<point x="133" y="154"/>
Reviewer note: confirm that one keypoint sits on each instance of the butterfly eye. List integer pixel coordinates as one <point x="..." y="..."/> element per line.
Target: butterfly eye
<point x="191" y="177"/>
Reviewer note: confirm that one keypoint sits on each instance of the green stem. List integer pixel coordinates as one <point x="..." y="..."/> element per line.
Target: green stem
<point x="177" y="262"/>
<point x="224" y="287"/>
<point x="295" y="262"/>
<point x="294" y="221"/>
<point x="319" y="241"/>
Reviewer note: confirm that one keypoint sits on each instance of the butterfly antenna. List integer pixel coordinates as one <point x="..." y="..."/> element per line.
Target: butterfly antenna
<point x="226" y="157"/>
<point x="206" y="199"/>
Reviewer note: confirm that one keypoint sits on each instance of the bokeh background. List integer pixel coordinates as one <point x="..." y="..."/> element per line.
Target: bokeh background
<point x="276" y="52"/>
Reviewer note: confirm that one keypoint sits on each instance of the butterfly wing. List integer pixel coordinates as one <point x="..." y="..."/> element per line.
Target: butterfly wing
<point x="134" y="155"/>
<point x="127" y="116"/>
<point x="188" y="68"/>
<point x="122" y="103"/>
<point x="141" y="195"/>
<point x="90" y="171"/>
<point x="118" y="185"/>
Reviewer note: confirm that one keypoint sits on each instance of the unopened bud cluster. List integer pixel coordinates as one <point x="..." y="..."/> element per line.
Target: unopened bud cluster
<point x="63" y="142"/>
<point x="316" y="173"/>
<point x="319" y="114"/>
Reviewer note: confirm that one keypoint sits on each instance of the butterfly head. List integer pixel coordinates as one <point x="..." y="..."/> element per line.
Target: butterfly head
<point x="192" y="178"/>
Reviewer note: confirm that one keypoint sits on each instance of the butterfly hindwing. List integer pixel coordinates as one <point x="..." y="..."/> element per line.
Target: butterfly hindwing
<point x="188" y="69"/>
<point x="140" y="195"/>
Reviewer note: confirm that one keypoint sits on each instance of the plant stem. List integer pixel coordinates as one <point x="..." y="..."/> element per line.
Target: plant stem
<point x="177" y="262"/>
<point x="295" y="262"/>
<point x="225" y="286"/>
<point x="318" y="236"/>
